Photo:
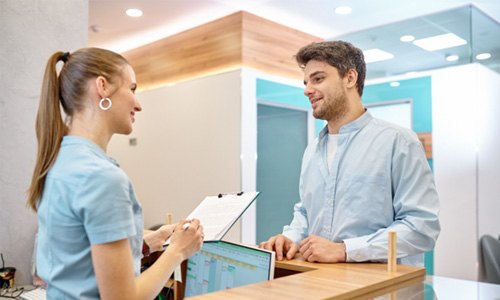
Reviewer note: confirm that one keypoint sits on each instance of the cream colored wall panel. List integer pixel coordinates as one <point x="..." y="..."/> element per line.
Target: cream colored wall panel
<point x="188" y="145"/>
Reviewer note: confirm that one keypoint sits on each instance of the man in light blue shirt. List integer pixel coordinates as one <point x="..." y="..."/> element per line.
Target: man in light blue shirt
<point x="361" y="178"/>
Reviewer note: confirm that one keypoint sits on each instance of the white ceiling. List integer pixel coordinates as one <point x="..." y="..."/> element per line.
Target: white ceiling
<point x="162" y="18"/>
<point x="372" y="24"/>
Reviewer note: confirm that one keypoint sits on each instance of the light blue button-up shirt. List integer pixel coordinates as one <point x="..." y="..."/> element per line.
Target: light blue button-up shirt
<point x="379" y="181"/>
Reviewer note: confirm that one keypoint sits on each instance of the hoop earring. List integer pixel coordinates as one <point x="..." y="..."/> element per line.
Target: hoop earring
<point x="101" y="106"/>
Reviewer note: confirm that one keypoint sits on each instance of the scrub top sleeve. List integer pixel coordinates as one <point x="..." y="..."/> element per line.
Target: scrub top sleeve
<point x="103" y="203"/>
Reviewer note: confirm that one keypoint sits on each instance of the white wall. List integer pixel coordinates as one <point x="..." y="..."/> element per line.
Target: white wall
<point x="188" y="145"/>
<point x="466" y="164"/>
<point x="30" y="31"/>
<point x="488" y="93"/>
<point x="249" y="151"/>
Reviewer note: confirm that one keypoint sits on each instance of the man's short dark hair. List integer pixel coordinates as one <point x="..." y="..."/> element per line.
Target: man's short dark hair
<point x="339" y="54"/>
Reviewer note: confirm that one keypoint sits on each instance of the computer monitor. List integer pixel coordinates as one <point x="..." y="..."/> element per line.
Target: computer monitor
<point x="223" y="265"/>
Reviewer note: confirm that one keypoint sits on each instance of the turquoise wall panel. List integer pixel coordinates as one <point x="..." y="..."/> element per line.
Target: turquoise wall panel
<point x="274" y="92"/>
<point x="281" y="141"/>
<point x="281" y="93"/>
<point x="417" y="89"/>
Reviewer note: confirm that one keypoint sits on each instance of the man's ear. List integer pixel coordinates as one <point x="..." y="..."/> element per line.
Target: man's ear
<point x="351" y="78"/>
<point x="102" y="86"/>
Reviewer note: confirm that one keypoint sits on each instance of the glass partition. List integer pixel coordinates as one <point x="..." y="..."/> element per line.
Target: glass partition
<point x="459" y="36"/>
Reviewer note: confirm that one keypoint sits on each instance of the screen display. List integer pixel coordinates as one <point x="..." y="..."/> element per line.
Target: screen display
<point x="222" y="265"/>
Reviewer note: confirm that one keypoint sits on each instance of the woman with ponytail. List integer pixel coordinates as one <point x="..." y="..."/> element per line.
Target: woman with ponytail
<point x="90" y="234"/>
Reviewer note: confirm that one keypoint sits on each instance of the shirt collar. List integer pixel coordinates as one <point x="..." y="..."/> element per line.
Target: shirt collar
<point x="353" y="126"/>
<point x="77" y="140"/>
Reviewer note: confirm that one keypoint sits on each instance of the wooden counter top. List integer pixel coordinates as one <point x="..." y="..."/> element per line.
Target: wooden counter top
<point x="298" y="279"/>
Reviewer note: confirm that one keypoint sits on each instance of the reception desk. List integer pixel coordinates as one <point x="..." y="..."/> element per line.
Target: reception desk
<point x="301" y="280"/>
<point x="297" y="279"/>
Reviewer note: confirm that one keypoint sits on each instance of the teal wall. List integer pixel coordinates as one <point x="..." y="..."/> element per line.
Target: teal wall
<point x="285" y="94"/>
<point x="419" y="90"/>
<point x="281" y="93"/>
<point x="281" y="141"/>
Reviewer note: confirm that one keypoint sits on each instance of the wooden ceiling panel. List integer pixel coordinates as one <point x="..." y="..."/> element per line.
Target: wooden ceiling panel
<point x="235" y="41"/>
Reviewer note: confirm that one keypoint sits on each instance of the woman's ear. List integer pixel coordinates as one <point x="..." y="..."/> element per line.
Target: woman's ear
<point x="102" y="86"/>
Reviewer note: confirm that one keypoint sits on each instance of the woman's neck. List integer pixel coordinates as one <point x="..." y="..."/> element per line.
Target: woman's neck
<point x="91" y="130"/>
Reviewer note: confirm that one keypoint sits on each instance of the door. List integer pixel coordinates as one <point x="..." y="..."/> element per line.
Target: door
<point x="281" y="141"/>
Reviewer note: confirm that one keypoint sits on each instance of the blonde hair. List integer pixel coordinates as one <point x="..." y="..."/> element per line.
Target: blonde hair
<point x="67" y="90"/>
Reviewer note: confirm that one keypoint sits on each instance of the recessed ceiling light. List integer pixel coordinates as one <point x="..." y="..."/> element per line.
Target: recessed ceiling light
<point x="438" y="42"/>
<point x="343" y="10"/>
<point x="373" y="55"/>
<point x="133" y="12"/>
<point x="483" y="56"/>
<point x="394" y="84"/>
<point x="452" y="57"/>
<point x="407" y="38"/>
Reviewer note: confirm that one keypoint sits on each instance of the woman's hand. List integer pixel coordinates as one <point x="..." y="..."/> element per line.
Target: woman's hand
<point x="187" y="241"/>
<point x="156" y="239"/>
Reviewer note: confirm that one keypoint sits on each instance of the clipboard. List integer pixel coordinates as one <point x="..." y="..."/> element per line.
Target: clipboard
<point x="218" y="213"/>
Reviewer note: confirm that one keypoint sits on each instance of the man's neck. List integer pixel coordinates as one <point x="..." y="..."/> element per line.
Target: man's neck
<point x="355" y="111"/>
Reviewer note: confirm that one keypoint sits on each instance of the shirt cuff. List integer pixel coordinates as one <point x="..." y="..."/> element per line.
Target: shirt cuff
<point x="354" y="249"/>
<point x="292" y="234"/>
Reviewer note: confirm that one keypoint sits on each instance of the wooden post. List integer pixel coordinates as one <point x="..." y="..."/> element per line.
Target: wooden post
<point x="393" y="296"/>
<point x="391" y="252"/>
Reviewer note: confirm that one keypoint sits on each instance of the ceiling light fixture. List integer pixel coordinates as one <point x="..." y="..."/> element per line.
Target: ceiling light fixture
<point x="373" y="55"/>
<point x="483" y="56"/>
<point x="439" y="42"/>
<point x="343" y="10"/>
<point x="452" y="57"/>
<point x="133" y="12"/>
<point x="407" y="38"/>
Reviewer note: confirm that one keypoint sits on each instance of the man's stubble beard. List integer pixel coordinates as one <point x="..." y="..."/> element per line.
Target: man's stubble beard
<point x="332" y="111"/>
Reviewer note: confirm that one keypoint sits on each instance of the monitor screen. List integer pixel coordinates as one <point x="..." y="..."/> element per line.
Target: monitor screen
<point x="223" y="265"/>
